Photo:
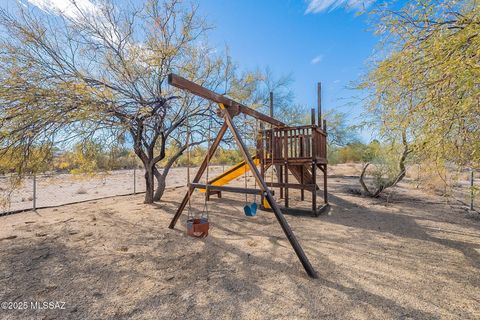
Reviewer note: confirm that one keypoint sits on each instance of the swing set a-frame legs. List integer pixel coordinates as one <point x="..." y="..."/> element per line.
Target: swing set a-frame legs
<point x="261" y="182"/>
<point x="199" y="174"/>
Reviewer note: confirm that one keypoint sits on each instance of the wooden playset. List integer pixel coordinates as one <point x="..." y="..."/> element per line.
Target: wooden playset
<point x="288" y="151"/>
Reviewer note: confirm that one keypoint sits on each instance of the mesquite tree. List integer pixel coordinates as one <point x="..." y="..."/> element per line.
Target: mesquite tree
<point x="423" y="87"/>
<point x="99" y="72"/>
<point x="426" y="80"/>
<point x="389" y="169"/>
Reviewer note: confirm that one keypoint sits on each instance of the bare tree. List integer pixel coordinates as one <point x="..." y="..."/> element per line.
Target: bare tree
<point x="100" y="72"/>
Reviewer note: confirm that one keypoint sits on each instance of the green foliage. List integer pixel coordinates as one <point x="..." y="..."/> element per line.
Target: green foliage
<point x="223" y="156"/>
<point x="426" y="80"/>
<point x="227" y="156"/>
<point x="91" y="157"/>
<point x="385" y="166"/>
<point x="354" y="152"/>
<point x="39" y="159"/>
<point x="339" y="132"/>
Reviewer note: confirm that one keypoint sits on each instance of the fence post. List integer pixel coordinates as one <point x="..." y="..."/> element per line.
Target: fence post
<point x="471" y="189"/>
<point x="34" y="192"/>
<point x="135" y="180"/>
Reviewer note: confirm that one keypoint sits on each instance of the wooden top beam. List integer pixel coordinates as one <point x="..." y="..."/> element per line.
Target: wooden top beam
<point x="192" y="87"/>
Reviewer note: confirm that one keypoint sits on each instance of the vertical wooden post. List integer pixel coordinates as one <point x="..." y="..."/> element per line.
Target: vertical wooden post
<point x="273" y="204"/>
<point x="199" y="174"/>
<point x="280" y="179"/>
<point x="325" y="192"/>
<point x="314" y="189"/>
<point x="285" y="163"/>
<point x="314" y="170"/>
<point x="302" y="170"/>
<point x="312" y="115"/>
<point x="302" y="182"/>
<point x="261" y="148"/>
<point x="319" y="103"/>
<point x="294" y="142"/>
<point x="278" y="168"/>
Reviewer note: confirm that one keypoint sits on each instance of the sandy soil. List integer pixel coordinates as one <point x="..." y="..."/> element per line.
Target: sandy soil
<point x="411" y="258"/>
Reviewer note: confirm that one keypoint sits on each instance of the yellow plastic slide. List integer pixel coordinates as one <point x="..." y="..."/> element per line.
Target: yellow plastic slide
<point x="232" y="173"/>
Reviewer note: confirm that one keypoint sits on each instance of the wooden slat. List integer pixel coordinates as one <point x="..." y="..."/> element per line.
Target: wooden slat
<point x="298" y="161"/>
<point x="225" y="188"/>
<point x="192" y="87"/>
<point x="291" y="185"/>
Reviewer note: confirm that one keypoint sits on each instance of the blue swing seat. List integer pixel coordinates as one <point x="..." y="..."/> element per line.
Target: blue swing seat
<point x="250" y="210"/>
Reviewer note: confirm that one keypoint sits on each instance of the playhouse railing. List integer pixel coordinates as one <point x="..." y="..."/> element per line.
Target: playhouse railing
<point x="298" y="144"/>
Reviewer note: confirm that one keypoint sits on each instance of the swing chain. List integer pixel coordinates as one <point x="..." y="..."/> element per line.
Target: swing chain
<point x="205" y="207"/>
<point x="189" y="213"/>
<point x="245" y="167"/>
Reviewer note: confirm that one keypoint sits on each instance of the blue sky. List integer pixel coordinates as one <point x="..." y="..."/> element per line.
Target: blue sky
<point x="313" y="40"/>
<point x="331" y="46"/>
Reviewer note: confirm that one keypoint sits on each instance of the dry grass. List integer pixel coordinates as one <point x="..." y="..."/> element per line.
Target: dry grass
<point x="413" y="258"/>
<point x="346" y="170"/>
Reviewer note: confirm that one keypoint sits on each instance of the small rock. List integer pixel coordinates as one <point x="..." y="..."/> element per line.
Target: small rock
<point x="9" y="238"/>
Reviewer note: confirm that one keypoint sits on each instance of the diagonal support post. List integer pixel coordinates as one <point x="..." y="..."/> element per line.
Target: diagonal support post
<point x="269" y="196"/>
<point x="199" y="174"/>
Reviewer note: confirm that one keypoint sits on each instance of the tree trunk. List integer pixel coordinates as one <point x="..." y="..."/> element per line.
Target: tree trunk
<point x="161" y="185"/>
<point x="149" y="185"/>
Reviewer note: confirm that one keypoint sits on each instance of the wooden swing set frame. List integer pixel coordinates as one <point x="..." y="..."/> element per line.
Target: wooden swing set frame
<point x="281" y="141"/>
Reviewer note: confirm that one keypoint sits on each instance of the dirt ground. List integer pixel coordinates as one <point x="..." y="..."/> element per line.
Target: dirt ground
<point x="414" y="257"/>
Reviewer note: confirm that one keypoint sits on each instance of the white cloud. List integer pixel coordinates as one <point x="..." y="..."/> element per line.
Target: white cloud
<point x="78" y="12"/>
<point x="316" y="6"/>
<point x="65" y="8"/>
<point x="317" y="59"/>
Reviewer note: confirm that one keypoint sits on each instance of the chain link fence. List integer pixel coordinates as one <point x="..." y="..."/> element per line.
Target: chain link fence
<point x="55" y="189"/>
<point x="460" y="186"/>
<point x="467" y="190"/>
<point x="48" y="190"/>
